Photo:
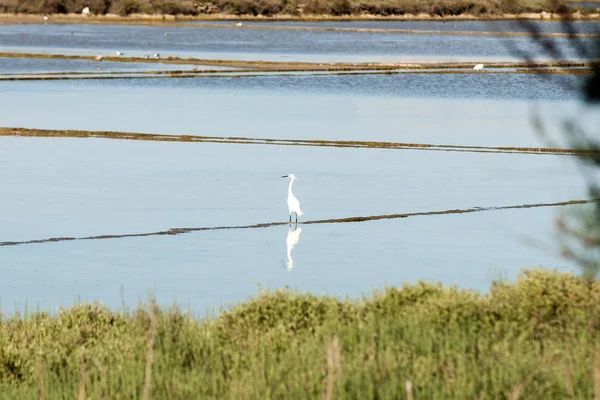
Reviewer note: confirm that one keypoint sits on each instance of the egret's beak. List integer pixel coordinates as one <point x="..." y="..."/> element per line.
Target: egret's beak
<point x="284" y="176"/>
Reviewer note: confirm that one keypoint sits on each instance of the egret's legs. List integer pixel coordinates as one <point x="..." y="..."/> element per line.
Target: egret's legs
<point x="290" y="218"/>
<point x="296" y="218"/>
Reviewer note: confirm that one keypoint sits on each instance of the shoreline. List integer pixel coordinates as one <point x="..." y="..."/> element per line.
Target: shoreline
<point x="11" y="18"/>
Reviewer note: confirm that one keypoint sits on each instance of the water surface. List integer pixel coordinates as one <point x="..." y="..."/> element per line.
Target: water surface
<point x="464" y="109"/>
<point x="75" y="187"/>
<point x="249" y="44"/>
<point x="211" y="269"/>
<point x="10" y="65"/>
<point x="439" y="26"/>
<point x="66" y="187"/>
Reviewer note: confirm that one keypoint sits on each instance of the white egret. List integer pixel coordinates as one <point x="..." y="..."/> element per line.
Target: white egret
<point x="85" y="11"/>
<point x="46" y="18"/>
<point x="119" y="54"/>
<point x="156" y="55"/>
<point x="238" y="24"/>
<point x="478" y="67"/>
<point x="292" y="201"/>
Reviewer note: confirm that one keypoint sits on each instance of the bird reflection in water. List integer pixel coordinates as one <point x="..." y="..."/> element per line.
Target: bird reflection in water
<point x="292" y="239"/>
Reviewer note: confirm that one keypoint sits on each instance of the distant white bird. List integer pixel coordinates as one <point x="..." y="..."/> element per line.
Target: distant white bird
<point x="478" y="67"/>
<point x="119" y="54"/>
<point x="292" y="239"/>
<point x="156" y="55"/>
<point x="292" y="201"/>
<point x="45" y="18"/>
<point x="85" y="11"/>
<point x="238" y="24"/>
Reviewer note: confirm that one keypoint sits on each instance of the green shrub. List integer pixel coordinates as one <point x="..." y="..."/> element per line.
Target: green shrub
<point x="535" y="338"/>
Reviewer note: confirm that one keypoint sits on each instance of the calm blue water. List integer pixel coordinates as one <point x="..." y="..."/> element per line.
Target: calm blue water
<point x="71" y="187"/>
<point x="84" y="187"/>
<point x="207" y="270"/>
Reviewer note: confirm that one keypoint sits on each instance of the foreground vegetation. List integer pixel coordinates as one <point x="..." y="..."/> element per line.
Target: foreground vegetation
<point x="535" y="338"/>
<point x="291" y="8"/>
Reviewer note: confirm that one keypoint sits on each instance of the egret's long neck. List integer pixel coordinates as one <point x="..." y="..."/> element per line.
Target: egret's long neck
<point x="290" y="188"/>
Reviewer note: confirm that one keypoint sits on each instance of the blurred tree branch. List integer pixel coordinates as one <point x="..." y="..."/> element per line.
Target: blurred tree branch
<point x="578" y="229"/>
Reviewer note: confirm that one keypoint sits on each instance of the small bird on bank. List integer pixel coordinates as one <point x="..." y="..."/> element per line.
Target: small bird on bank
<point x="238" y="24"/>
<point x="478" y="67"/>
<point x="292" y="201"/>
<point x="118" y="53"/>
<point x="46" y="18"/>
<point x="156" y="55"/>
<point x="85" y="11"/>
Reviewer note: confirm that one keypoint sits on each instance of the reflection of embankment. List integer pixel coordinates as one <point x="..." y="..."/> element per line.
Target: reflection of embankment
<point x="43" y="133"/>
<point x="179" y="231"/>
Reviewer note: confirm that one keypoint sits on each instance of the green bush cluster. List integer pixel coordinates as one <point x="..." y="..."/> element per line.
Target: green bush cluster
<point x="285" y="7"/>
<point x="535" y="338"/>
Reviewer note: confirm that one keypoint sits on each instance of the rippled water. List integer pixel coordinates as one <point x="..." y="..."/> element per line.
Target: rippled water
<point x="443" y="26"/>
<point x="261" y="44"/>
<point x="469" y="109"/>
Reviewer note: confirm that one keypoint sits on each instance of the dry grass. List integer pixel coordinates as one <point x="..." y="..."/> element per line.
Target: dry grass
<point x="150" y="354"/>
<point x="334" y="367"/>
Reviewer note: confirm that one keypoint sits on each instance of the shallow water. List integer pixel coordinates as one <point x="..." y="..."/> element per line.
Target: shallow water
<point x="206" y="270"/>
<point x="117" y="187"/>
<point x="248" y="44"/>
<point x="74" y="187"/>
<point x="468" y="109"/>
